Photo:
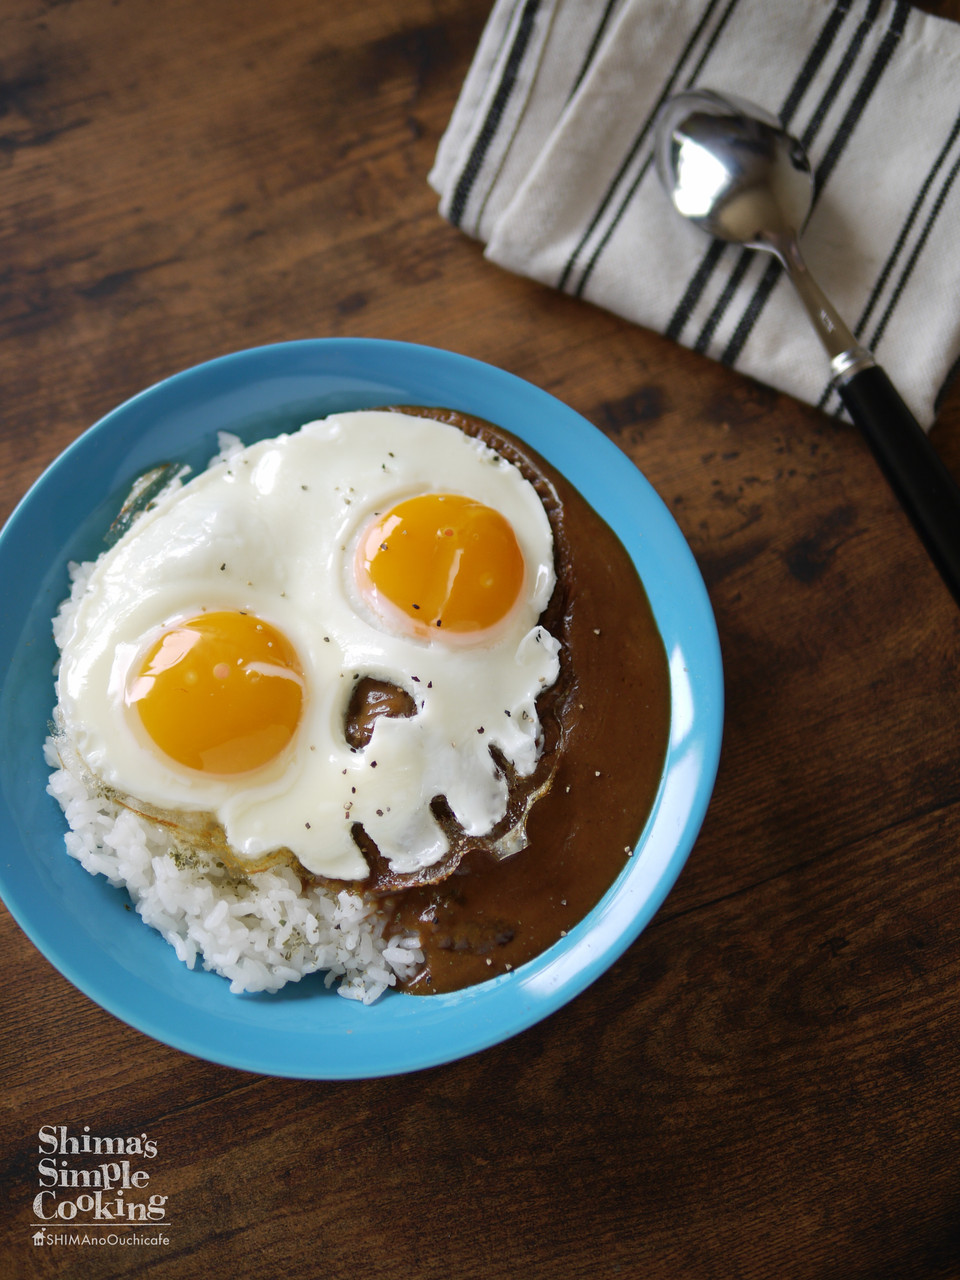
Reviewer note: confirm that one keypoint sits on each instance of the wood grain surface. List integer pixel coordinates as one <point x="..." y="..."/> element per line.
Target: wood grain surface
<point x="767" y="1083"/>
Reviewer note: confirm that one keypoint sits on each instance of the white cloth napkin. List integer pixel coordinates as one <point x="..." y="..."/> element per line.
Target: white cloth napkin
<point x="548" y="159"/>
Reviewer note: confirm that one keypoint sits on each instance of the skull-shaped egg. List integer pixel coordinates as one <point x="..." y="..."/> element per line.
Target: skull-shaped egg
<point x="211" y="660"/>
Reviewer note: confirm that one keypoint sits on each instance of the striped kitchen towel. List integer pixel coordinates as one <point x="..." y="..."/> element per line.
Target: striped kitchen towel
<point x="548" y="159"/>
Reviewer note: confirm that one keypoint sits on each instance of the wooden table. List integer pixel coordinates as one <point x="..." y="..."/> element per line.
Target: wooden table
<point x="766" y="1084"/>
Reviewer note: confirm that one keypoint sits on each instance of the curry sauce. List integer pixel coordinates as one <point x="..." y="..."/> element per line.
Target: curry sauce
<point x="605" y="723"/>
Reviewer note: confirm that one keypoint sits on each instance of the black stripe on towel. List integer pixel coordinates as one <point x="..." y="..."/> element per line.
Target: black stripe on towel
<point x="878" y="288"/>
<point x="815" y="59"/>
<point x="637" y="144"/>
<point x="591" y="53"/>
<point x="744" y="261"/>
<point x="842" y="136"/>
<point x="842" y="73"/>
<point x="914" y="256"/>
<point x="708" y="264"/>
<point x="521" y="39"/>
<point x="893" y="256"/>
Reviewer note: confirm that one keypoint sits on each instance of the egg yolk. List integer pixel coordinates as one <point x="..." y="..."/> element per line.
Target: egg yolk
<point x="220" y="693"/>
<point x="447" y="562"/>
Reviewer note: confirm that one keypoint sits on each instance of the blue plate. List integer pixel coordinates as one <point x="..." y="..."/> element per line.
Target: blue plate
<point x="86" y="929"/>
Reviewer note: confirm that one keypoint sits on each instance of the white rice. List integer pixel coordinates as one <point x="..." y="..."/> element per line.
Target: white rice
<point x="260" y="930"/>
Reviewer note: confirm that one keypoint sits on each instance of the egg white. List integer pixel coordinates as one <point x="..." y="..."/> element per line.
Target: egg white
<point x="271" y="530"/>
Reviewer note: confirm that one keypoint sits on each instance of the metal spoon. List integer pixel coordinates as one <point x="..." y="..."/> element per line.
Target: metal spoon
<point x="732" y="169"/>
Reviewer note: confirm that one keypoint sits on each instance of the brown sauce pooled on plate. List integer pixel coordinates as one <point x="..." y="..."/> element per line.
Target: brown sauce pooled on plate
<point x="605" y="725"/>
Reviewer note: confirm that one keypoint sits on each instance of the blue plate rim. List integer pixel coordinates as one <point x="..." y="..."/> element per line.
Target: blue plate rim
<point x="546" y="983"/>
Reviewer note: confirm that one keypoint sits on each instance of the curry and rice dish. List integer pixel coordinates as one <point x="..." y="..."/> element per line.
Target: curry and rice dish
<point x="382" y="698"/>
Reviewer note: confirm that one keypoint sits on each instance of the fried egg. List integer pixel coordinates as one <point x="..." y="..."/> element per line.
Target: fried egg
<point x="209" y="662"/>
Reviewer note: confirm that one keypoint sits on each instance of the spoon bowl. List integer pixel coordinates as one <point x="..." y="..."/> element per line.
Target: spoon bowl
<point x="732" y="169"/>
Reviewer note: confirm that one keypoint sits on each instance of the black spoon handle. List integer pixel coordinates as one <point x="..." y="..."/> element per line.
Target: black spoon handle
<point x="926" y="489"/>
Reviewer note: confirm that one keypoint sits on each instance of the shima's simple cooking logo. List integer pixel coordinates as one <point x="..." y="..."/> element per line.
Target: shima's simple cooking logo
<point x="95" y="1189"/>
